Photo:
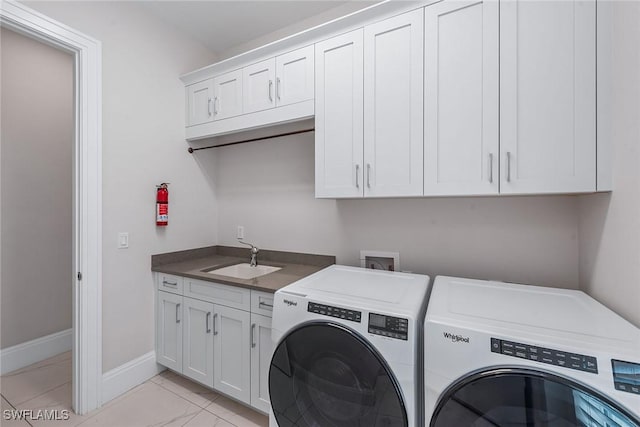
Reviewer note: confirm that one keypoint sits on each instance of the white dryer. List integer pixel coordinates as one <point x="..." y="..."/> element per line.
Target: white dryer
<point x="347" y="343"/>
<point x="499" y="354"/>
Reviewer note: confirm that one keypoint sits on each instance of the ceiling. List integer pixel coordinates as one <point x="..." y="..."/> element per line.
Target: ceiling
<point x="222" y="25"/>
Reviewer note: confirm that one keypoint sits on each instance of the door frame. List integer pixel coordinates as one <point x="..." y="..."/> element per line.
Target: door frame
<point x="87" y="193"/>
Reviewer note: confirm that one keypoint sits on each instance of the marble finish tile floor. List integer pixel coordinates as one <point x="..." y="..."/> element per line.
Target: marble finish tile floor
<point x="167" y="399"/>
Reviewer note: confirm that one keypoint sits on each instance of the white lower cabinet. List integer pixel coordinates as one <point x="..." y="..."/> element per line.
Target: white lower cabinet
<point x="226" y="348"/>
<point x="261" y="352"/>
<point x="169" y="330"/>
<point x="197" y="341"/>
<point x="232" y="352"/>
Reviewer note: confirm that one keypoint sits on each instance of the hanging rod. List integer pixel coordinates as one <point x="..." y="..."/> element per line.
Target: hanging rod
<point x="191" y="150"/>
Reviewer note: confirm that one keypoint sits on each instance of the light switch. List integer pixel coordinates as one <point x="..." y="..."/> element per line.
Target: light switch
<point x="123" y="240"/>
<point x="240" y="232"/>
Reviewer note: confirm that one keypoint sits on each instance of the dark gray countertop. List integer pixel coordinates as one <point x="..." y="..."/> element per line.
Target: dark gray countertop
<point x="193" y="263"/>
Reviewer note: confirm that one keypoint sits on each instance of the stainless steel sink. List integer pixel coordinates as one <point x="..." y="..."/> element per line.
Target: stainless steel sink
<point x="244" y="271"/>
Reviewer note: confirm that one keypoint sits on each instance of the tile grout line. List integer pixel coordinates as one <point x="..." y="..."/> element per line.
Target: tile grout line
<point x="14" y="408"/>
<point x="184" y="398"/>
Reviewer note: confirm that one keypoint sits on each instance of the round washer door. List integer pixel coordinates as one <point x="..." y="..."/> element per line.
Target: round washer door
<point x="326" y="375"/>
<point x="508" y="397"/>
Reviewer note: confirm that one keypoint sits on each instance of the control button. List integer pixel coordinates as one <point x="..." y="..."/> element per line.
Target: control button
<point x="621" y="386"/>
<point x="576" y="365"/>
<point x="520" y="347"/>
<point x="635" y="389"/>
<point x="547" y="360"/>
<point x="533" y="349"/>
<point x="495" y="345"/>
<point x="507" y="344"/>
<point x="533" y="356"/>
<point x="507" y="351"/>
<point x="521" y="354"/>
<point x="546" y="352"/>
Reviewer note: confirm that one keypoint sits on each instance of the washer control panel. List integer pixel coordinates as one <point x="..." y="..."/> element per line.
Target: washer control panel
<point x="388" y="326"/>
<point x="340" y="313"/>
<point x="550" y="356"/>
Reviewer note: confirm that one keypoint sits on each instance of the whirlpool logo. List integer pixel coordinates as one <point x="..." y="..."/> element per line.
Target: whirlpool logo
<point x="455" y="337"/>
<point x="289" y="302"/>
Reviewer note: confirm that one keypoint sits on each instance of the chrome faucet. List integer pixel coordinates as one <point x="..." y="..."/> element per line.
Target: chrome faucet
<point x="254" y="253"/>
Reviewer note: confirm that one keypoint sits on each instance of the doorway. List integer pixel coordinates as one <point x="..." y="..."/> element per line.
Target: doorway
<point x="86" y="194"/>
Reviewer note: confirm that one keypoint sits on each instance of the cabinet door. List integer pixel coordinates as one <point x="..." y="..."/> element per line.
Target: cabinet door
<point x="339" y="116"/>
<point x="294" y="76"/>
<point x="461" y="98"/>
<point x="258" y="82"/>
<point x="200" y="103"/>
<point x="232" y="352"/>
<point x="169" y="331"/>
<point x="547" y="96"/>
<point x="393" y="113"/>
<point x="197" y="357"/>
<point x="227" y="101"/>
<point x="261" y="353"/>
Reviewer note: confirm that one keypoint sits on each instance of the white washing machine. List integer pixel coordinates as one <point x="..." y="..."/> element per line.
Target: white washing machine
<point x="347" y="349"/>
<point x="499" y="354"/>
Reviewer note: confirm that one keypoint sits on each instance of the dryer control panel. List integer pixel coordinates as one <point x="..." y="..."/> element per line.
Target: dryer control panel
<point x="388" y="326"/>
<point x="550" y="356"/>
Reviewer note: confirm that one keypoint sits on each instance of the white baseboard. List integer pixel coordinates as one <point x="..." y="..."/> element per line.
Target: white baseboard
<point x="25" y="354"/>
<point x="125" y="377"/>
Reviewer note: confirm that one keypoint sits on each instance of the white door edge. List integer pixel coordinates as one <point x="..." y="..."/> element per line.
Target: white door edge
<point x="87" y="194"/>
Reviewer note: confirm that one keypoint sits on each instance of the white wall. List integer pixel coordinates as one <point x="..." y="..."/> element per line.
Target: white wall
<point x="268" y="187"/>
<point x="143" y="145"/>
<point x="37" y="138"/>
<point x="610" y="223"/>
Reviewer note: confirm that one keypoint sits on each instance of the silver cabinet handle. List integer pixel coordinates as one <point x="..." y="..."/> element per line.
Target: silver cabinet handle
<point x="253" y="330"/>
<point x="177" y="313"/>
<point x="508" y="166"/>
<point x="207" y="321"/>
<point x="262" y="304"/>
<point x="215" y="331"/>
<point x="491" y="168"/>
<point x="368" y="175"/>
<point x="215" y="105"/>
<point x="164" y="282"/>
<point x="357" y="175"/>
<point x="278" y="85"/>
<point x="209" y="106"/>
<point x="270" y="90"/>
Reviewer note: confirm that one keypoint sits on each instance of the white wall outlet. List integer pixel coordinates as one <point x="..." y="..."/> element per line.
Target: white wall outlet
<point x="379" y="260"/>
<point x="123" y="240"/>
<point x="240" y="233"/>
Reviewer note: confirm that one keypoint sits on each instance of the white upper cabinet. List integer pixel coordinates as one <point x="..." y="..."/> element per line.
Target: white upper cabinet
<point x="461" y="98"/>
<point x="200" y="103"/>
<point x="295" y="76"/>
<point x="393" y="108"/>
<point x="284" y="80"/>
<point x="259" y="80"/>
<point x="339" y="116"/>
<point x="547" y="96"/>
<point x="227" y="101"/>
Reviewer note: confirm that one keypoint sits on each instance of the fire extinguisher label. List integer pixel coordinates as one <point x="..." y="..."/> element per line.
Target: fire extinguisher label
<point x="162" y="212"/>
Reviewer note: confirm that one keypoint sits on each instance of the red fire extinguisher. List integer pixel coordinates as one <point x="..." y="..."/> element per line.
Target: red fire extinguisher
<point x="162" y="205"/>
